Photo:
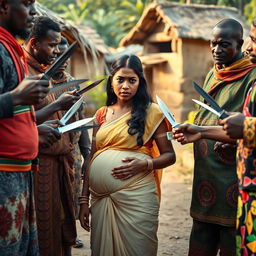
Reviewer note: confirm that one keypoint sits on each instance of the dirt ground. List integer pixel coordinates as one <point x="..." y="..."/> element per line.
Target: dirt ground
<point x="174" y="220"/>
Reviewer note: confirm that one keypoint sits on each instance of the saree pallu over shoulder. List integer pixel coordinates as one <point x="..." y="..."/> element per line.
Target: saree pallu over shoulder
<point x="113" y="135"/>
<point x="124" y="212"/>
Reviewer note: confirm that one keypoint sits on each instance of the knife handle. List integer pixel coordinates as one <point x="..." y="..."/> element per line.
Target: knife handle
<point x="223" y="114"/>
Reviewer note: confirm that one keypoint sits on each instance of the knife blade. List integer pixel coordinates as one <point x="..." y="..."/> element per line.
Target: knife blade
<point x="210" y="100"/>
<point x="221" y="114"/>
<point x="60" y="60"/>
<point x="87" y="88"/>
<point x="167" y="113"/>
<point x="71" y="111"/>
<point x="67" y="85"/>
<point x="82" y="128"/>
<point x="74" y="125"/>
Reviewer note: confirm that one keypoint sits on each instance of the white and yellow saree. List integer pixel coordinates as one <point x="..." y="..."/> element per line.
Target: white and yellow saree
<point x="124" y="214"/>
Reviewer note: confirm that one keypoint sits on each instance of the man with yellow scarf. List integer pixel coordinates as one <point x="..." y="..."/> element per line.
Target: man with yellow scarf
<point x="214" y="198"/>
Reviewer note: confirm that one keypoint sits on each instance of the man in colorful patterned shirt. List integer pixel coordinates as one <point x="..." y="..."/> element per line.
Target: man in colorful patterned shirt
<point x="242" y="127"/>
<point x="215" y="188"/>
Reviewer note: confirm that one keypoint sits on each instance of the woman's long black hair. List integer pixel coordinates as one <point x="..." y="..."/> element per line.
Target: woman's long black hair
<point x="141" y="99"/>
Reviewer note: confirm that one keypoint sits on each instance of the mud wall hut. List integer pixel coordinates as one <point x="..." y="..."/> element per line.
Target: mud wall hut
<point x="175" y="39"/>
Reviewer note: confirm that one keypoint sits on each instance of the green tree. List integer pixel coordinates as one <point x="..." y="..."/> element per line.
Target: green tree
<point x="130" y="12"/>
<point x="105" y="23"/>
<point x="114" y="18"/>
<point x="76" y="13"/>
<point x="250" y="11"/>
<point x="56" y="5"/>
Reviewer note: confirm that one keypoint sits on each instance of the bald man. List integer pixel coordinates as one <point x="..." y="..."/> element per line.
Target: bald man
<point x="237" y="126"/>
<point x="214" y="196"/>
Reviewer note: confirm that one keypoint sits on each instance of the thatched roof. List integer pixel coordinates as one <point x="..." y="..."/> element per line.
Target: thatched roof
<point x="136" y="49"/>
<point x="181" y="20"/>
<point x="88" y="39"/>
<point x="91" y="34"/>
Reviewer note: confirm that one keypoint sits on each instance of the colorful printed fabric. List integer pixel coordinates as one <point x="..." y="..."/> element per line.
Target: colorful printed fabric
<point x="246" y="171"/>
<point x="246" y="224"/>
<point x="246" y="153"/>
<point x="18" y="232"/>
<point x="19" y="141"/>
<point x="237" y="70"/>
<point x="215" y="188"/>
<point x="249" y="132"/>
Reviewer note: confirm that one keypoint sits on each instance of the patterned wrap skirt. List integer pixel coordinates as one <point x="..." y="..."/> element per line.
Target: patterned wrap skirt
<point x="18" y="231"/>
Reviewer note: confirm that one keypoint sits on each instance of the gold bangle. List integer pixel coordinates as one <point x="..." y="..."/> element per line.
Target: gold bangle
<point x="150" y="164"/>
<point x="83" y="199"/>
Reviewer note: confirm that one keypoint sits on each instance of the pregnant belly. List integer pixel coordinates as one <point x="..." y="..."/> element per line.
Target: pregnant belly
<point x="101" y="179"/>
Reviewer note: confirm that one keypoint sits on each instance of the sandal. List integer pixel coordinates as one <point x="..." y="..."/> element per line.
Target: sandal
<point x="79" y="243"/>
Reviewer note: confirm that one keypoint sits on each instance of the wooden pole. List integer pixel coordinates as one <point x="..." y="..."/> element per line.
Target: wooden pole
<point x="241" y="6"/>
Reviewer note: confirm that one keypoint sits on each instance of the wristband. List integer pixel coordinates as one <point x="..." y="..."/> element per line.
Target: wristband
<point x="150" y="164"/>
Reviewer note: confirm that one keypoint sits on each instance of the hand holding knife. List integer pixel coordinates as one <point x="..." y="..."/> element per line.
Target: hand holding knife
<point x="77" y="105"/>
<point x="214" y="106"/>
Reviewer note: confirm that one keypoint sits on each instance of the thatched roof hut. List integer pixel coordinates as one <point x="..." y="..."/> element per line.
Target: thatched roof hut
<point x="175" y="39"/>
<point x="91" y="62"/>
<point x="191" y="21"/>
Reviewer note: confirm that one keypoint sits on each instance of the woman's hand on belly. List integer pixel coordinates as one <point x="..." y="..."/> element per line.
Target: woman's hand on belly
<point x="132" y="167"/>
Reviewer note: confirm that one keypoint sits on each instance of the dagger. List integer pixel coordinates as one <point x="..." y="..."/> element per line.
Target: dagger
<point x="87" y="88"/>
<point x="210" y="100"/>
<point x="67" y="85"/>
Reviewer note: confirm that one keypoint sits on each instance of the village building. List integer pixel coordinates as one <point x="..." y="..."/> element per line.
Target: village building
<point x="176" y="49"/>
<point x="88" y="61"/>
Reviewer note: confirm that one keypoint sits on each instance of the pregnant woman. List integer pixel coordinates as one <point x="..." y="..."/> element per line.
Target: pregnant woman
<point x="123" y="179"/>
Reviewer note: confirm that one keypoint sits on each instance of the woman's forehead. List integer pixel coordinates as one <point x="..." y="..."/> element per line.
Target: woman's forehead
<point x="125" y="72"/>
